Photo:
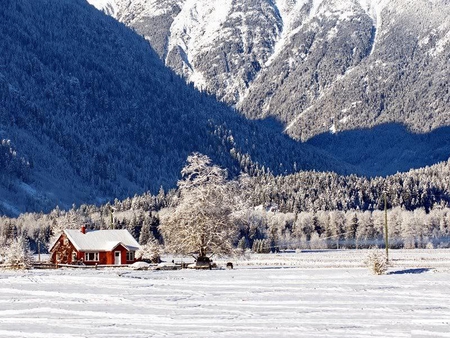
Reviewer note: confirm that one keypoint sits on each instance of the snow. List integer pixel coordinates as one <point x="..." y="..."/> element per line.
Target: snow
<point x="140" y="266"/>
<point x="110" y="7"/>
<point x="369" y="6"/>
<point x="441" y="45"/>
<point x="149" y="8"/>
<point x="298" y="117"/>
<point x="315" y="7"/>
<point x="198" y="21"/>
<point x="307" y="294"/>
<point x="289" y="13"/>
<point x="332" y="33"/>
<point x="198" y="80"/>
<point x="100" y="4"/>
<point x="373" y="8"/>
<point x="333" y="129"/>
<point x="345" y="119"/>
<point x="101" y="240"/>
<point x="438" y="38"/>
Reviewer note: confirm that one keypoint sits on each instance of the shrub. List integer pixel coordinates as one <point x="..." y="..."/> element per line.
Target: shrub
<point x="376" y="261"/>
<point x="150" y="251"/>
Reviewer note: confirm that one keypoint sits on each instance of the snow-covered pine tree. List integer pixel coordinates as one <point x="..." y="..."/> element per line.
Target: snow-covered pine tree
<point x="145" y="236"/>
<point x="17" y="254"/>
<point x="242" y="244"/>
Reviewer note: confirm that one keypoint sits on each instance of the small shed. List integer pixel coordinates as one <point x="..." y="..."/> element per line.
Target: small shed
<point x="102" y="247"/>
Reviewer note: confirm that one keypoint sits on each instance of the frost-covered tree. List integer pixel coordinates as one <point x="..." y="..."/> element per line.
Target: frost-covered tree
<point x="200" y="224"/>
<point x="317" y="242"/>
<point x="150" y="251"/>
<point x="145" y="235"/>
<point x="17" y="255"/>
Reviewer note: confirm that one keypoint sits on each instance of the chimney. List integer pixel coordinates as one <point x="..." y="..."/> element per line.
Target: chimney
<point x="83" y="229"/>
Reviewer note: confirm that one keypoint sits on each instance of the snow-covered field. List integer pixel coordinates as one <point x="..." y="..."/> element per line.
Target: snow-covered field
<point x="305" y="294"/>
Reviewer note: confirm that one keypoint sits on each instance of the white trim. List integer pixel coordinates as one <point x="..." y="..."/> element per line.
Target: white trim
<point x="131" y="255"/>
<point x="95" y="257"/>
<point x="117" y="257"/>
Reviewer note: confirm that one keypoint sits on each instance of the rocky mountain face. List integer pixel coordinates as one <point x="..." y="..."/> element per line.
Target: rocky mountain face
<point x="315" y="65"/>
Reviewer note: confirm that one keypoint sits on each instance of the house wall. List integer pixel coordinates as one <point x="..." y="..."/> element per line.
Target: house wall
<point x="123" y="255"/>
<point x="62" y="251"/>
<point x="80" y="255"/>
<point x="132" y="261"/>
<point x="102" y="258"/>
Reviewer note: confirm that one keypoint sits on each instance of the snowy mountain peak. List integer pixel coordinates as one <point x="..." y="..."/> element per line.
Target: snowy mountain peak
<point x="195" y="30"/>
<point x="303" y="61"/>
<point x="107" y="6"/>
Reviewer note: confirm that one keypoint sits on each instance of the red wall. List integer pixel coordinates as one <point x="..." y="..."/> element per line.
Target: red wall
<point x="64" y="251"/>
<point x="123" y="255"/>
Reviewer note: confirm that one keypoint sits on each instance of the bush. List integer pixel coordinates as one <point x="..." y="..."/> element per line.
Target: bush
<point x="376" y="261"/>
<point x="150" y="251"/>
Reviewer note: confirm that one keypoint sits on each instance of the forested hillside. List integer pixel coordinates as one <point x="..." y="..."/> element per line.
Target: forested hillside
<point x="89" y="113"/>
<point x="303" y="210"/>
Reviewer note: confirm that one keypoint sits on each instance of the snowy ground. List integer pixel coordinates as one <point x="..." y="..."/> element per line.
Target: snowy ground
<point x="306" y="294"/>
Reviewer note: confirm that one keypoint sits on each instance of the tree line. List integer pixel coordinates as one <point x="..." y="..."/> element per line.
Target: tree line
<point x="264" y="213"/>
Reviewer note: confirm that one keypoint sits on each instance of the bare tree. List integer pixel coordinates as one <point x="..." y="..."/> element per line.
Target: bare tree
<point x="200" y="224"/>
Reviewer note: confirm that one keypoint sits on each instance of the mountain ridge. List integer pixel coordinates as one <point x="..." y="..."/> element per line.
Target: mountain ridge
<point x="90" y="113"/>
<point x="309" y="63"/>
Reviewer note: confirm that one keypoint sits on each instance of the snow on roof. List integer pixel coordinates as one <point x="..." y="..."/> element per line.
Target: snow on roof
<point x="101" y="240"/>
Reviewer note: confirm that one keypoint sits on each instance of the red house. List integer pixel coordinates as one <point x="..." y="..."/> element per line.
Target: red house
<point x="102" y="247"/>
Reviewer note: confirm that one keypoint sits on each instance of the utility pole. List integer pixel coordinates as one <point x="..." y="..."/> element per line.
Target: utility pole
<point x="111" y="213"/>
<point x="386" y="236"/>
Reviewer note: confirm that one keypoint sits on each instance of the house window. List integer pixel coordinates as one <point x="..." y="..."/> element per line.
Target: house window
<point x="91" y="256"/>
<point x="130" y="255"/>
<point x="74" y="256"/>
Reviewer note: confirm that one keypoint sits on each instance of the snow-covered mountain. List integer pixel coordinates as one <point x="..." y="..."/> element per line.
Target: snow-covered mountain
<point x="89" y="113"/>
<point x="316" y="65"/>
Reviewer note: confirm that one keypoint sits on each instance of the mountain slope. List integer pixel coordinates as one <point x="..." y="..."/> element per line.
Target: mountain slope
<point x="89" y="113"/>
<point x="315" y="65"/>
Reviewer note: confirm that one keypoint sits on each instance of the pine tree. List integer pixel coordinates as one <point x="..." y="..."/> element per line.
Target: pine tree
<point x="145" y="234"/>
<point x="17" y="254"/>
<point x="242" y="244"/>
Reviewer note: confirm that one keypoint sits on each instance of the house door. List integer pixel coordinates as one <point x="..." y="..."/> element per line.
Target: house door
<point x="117" y="258"/>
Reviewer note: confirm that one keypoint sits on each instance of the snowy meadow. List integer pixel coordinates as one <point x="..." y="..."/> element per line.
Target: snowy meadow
<point x="302" y="294"/>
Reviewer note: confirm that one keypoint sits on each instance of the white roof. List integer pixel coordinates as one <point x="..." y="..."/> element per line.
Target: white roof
<point x="101" y="240"/>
